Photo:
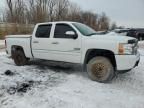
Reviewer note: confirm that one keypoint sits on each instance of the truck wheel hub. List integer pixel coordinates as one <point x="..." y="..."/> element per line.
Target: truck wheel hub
<point x="99" y="70"/>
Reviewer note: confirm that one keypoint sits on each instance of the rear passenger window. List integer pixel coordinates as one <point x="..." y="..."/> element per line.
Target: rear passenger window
<point x="43" y="31"/>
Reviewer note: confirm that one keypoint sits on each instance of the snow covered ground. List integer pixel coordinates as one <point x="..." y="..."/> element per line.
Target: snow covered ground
<point x="42" y="84"/>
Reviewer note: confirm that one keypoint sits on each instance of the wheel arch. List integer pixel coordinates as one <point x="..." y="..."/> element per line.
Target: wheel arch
<point x="100" y="52"/>
<point x="16" y="48"/>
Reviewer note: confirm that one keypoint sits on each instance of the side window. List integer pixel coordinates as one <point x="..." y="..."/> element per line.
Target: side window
<point x="43" y="31"/>
<point x="61" y="29"/>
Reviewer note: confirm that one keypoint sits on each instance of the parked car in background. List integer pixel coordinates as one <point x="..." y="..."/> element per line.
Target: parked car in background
<point x="136" y="33"/>
<point x="121" y="31"/>
<point x="140" y="34"/>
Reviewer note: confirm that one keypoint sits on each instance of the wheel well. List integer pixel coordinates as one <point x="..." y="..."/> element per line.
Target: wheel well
<point x="100" y="52"/>
<point x="16" y="48"/>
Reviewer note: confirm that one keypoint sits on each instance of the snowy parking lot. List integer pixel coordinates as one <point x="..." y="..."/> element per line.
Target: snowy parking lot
<point x="42" y="84"/>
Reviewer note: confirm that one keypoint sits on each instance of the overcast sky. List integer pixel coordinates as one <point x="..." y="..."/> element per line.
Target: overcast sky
<point x="129" y="13"/>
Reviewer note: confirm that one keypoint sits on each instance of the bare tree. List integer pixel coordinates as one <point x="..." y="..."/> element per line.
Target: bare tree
<point x="90" y="19"/>
<point x="51" y="8"/>
<point x="20" y="11"/>
<point x="35" y="11"/>
<point x="16" y="11"/>
<point x="10" y="6"/>
<point x="62" y="9"/>
<point x="31" y="11"/>
<point x="103" y="22"/>
<point x="74" y="13"/>
<point x="113" y="26"/>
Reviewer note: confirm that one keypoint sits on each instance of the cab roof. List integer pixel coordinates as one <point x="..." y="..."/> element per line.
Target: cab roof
<point x="56" y="22"/>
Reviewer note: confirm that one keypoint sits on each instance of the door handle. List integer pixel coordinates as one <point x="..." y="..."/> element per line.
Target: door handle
<point x="35" y="41"/>
<point x="55" y="43"/>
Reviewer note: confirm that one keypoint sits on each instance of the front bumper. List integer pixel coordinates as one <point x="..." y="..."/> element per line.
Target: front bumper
<point x="127" y="62"/>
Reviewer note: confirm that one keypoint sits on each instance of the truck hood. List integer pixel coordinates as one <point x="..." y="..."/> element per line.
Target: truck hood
<point x="18" y="36"/>
<point x="116" y="38"/>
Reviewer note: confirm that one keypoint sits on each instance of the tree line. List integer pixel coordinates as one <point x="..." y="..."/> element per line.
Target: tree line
<point x="36" y="11"/>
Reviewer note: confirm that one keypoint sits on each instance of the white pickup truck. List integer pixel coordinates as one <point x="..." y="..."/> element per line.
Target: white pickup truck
<point x="101" y="55"/>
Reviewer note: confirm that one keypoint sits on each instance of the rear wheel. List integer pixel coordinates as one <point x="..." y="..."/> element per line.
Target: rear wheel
<point x="20" y="58"/>
<point x="100" y="69"/>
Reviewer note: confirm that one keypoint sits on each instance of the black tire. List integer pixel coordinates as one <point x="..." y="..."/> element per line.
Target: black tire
<point x="100" y="69"/>
<point x="20" y="58"/>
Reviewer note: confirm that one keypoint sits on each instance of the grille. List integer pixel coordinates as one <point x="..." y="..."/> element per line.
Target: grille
<point x="135" y="46"/>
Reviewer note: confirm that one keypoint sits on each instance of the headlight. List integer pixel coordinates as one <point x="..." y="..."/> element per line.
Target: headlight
<point x="126" y="48"/>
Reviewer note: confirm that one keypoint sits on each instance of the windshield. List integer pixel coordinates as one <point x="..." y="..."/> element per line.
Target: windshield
<point x="85" y="30"/>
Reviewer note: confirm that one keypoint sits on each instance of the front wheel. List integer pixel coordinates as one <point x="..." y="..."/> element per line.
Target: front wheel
<point x="20" y="58"/>
<point x="100" y="69"/>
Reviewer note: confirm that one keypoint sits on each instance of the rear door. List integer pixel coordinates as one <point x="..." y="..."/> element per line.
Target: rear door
<point x="41" y="41"/>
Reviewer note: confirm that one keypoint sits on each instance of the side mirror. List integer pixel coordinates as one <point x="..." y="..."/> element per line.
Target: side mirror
<point x="71" y="34"/>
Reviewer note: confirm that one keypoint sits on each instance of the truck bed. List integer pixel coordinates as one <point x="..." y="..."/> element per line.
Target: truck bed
<point x="23" y="41"/>
<point x="18" y="36"/>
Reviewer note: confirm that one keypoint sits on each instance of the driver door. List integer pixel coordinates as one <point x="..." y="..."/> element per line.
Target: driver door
<point x="64" y="47"/>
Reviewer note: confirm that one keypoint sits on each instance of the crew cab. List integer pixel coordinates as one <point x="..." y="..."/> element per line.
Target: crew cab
<point x="101" y="55"/>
